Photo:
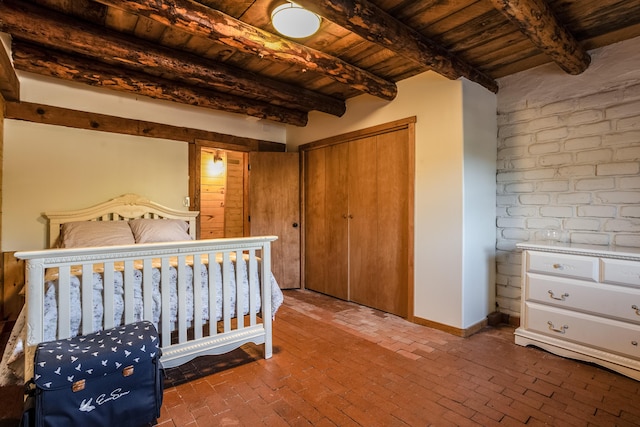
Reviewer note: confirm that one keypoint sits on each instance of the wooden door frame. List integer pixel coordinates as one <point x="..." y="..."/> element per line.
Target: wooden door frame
<point x="407" y="123"/>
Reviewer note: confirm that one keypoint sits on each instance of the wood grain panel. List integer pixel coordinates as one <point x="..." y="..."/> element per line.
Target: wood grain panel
<point x="364" y="246"/>
<point x="86" y="9"/>
<point x="315" y="221"/>
<point x="212" y="196"/>
<point x="336" y="213"/>
<point x="175" y="38"/>
<point x="371" y="173"/>
<point x="120" y="20"/>
<point x="9" y="83"/>
<point x="479" y="11"/>
<point x="234" y="209"/>
<point x="466" y="36"/>
<point x="326" y="221"/>
<point x="148" y="29"/>
<point x="275" y="210"/>
<point x="392" y="208"/>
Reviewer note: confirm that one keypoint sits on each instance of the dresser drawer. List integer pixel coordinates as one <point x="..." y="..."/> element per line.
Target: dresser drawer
<point x="606" y="334"/>
<point x="621" y="272"/>
<point x="581" y="267"/>
<point x="604" y="300"/>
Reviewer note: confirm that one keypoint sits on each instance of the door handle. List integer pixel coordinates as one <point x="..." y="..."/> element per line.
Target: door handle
<point x="295" y="225"/>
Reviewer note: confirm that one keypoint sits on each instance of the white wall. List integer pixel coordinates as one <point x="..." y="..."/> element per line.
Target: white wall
<point x="441" y="127"/>
<point x="568" y="158"/>
<point x="57" y="168"/>
<point x="480" y="145"/>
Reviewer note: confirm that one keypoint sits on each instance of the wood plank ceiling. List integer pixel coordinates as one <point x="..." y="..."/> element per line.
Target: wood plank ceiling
<point x="225" y="54"/>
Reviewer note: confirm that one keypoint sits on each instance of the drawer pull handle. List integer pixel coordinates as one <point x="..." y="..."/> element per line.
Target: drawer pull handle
<point x="634" y="343"/>
<point x="558" y="266"/>
<point x="561" y="298"/>
<point x="561" y="330"/>
<point x="635" y="307"/>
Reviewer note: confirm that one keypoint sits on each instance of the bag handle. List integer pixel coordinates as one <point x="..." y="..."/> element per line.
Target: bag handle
<point x="30" y="388"/>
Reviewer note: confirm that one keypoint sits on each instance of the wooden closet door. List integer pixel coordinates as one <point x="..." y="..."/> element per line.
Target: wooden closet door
<point x="378" y="224"/>
<point x="326" y="220"/>
<point x="392" y="257"/>
<point x="363" y="221"/>
<point x="315" y="242"/>
<point x="370" y="261"/>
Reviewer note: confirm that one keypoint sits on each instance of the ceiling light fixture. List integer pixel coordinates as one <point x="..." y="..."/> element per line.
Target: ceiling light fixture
<point x="292" y="20"/>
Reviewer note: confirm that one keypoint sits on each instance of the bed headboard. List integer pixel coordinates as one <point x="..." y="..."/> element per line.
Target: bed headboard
<point x="125" y="207"/>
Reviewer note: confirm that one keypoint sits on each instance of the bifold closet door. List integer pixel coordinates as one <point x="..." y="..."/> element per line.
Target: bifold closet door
<point x="392" y="266"/>
<point x="378" y="222"/>
<point x="363" y="221"/>
<point x="357" y="210"/>
<point x="326" y="209"/>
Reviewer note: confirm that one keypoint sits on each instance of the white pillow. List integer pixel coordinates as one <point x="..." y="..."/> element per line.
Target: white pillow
<point x="147" y="230"/>
<point x="82" y="234"/>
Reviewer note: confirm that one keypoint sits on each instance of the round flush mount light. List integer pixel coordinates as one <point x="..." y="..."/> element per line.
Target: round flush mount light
<point x="292" y="20"/>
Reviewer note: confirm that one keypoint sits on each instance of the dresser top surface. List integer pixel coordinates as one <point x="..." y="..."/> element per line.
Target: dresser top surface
<point x="582" y="249"/>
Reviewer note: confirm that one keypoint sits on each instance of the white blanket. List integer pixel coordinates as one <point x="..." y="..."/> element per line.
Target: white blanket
<point x="12" y="366"/>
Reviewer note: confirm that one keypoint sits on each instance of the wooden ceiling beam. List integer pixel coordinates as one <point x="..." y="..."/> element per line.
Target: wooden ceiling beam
<point x="536" y="21"/>
<point x="57" y="31"/>
<point x="374" y="24"/>
<point x="59" y="116"/>
<point x="38" y="60"/>
<point x="9" y="83"/>
<point x="200" y="20"/>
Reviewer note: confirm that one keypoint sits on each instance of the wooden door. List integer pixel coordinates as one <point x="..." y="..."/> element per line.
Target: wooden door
<point x="363" y="221"/>
<point x="393" y="201"/>
<point x="235" y="197"/>
<point x="368" y="258"/>
<point x="213" y="183"/>
<point x="221" y="193"/>
<point x="378" y="221"/>
<point x="326" y="221"/>
<point x="336" y="214"/>
<point x="315" y="223"/>
<point x="274" y="199"/>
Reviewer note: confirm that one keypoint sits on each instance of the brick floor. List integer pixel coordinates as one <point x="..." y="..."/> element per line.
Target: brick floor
<point x="341" y="364"/>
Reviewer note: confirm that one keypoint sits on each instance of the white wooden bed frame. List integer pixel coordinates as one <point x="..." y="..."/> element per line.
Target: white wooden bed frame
<point x="191" y="342"/>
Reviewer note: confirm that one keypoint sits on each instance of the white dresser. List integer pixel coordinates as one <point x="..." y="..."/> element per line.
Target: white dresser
<point x="582" y="302"/>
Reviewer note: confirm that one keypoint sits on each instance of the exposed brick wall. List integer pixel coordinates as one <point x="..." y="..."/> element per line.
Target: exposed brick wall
<point x="569" y="160"/>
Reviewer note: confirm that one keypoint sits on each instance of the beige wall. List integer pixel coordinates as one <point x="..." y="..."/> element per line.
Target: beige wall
<point x="60" y="93"/>
<point x="56" y="168"/>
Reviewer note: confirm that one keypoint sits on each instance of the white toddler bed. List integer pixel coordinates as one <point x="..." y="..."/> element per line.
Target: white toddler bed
<point x="143" y="268"/>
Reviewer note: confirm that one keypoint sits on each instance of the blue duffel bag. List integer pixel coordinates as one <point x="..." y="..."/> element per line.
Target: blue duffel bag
<point x="107" y="378"/>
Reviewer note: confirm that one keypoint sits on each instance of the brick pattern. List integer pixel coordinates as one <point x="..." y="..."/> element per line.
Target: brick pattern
<point x="573" y="165"/>
<point x="340" y="364"/>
